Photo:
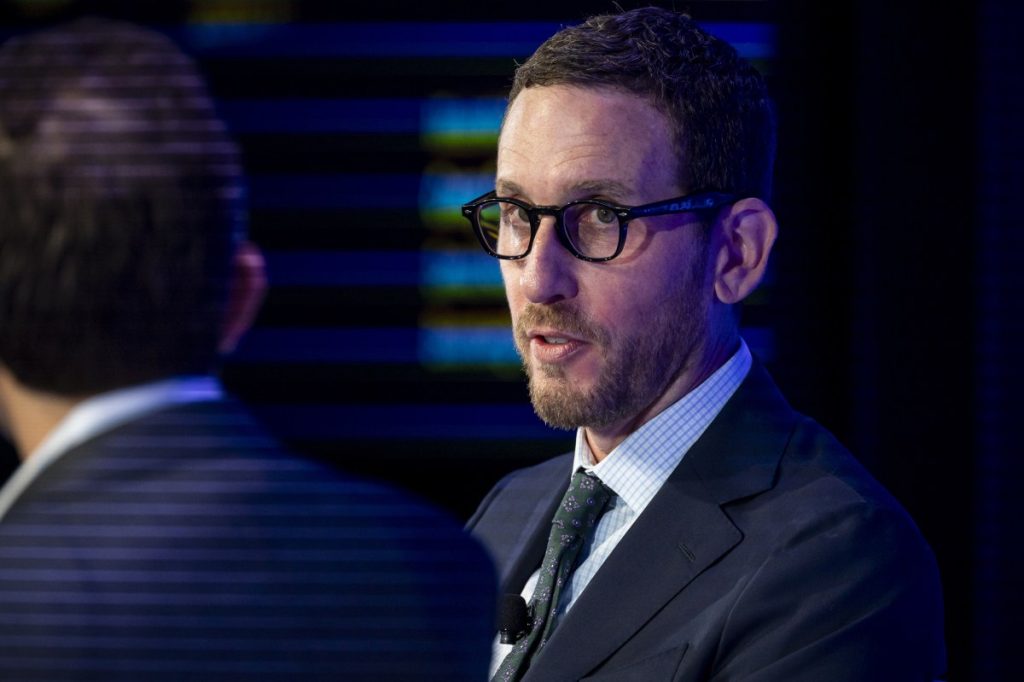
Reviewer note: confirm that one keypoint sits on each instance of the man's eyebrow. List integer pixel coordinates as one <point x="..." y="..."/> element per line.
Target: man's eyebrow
<point x="608" y="187"/>
<point x="507" y="188"/>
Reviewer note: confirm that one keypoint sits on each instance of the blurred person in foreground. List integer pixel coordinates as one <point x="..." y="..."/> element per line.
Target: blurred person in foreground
<point x="702" y="529"/>
<point x="153" y="531"/>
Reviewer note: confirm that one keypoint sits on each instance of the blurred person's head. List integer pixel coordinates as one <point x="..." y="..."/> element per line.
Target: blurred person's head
<point x="122" y="257"/>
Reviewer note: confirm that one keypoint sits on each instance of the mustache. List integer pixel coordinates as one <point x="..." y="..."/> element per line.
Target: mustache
<point x="565" y="318"/>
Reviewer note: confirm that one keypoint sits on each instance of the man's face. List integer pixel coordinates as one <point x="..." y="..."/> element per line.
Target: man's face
<point x="603" y="343"/>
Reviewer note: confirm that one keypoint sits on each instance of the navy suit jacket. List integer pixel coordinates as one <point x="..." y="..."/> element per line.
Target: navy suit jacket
<point x="187" y="545"/>
<point x="769" y="554"/>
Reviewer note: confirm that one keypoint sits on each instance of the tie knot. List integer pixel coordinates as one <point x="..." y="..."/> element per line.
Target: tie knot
<point x="581" y="506"/>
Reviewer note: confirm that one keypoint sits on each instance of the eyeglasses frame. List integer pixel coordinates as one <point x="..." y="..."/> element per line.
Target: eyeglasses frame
<point x="697" y="201"/>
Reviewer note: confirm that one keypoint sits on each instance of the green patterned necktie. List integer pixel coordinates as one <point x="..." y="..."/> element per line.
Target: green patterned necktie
<point x="571" y="527"/>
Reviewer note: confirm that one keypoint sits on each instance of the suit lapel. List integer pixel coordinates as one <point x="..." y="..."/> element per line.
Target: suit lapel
<point x="531" y="543"/>
<point x="680" y="534"/>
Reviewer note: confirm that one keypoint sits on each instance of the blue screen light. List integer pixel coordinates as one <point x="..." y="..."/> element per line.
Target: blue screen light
<point x="440" y="121"/>
<point x="441" y="195"/>
<point x="751" y="40"/>
<point x="488" y="345"/>
<point x="435" y="268"/>
<point x="413" y="39"/>
<point x="450" y="268"/>
<point x="459" y="123"/>
<point x="480" y="345"/>
<point x="365" y="39"/>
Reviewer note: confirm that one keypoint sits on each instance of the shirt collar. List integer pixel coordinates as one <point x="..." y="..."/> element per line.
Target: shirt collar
<point x="638" y="467"/>
<point x="101" y="413"/>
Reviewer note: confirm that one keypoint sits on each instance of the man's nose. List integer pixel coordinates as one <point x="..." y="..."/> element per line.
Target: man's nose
<point x="548" y="273"/>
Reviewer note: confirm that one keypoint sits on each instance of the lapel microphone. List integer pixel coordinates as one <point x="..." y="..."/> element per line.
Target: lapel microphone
<point x="514" y="619"/>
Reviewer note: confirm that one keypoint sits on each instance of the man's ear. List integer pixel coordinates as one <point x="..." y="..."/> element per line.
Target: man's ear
<point x="245" y="295"/>
<point x="5" y="419"/>
<point x="746" y="233"/>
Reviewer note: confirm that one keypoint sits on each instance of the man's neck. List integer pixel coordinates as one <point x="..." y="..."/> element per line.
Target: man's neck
<point x="30" y="414"/>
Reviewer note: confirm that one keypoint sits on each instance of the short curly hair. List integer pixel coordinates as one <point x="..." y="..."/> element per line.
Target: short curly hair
<point x="716" y="101"/>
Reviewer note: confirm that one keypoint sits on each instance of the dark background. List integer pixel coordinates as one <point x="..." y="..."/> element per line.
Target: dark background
<point x="891" y="314"/>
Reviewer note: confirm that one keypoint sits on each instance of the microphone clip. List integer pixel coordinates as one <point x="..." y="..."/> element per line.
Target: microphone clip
<point x="515" y="619"/>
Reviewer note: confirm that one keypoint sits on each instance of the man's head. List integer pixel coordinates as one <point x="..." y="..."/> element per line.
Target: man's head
<point x="120" y="212"/>
<point x="633" y="109"/>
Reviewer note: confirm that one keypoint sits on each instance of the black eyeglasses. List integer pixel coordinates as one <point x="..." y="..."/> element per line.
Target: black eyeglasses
<point x="591" y="229"/>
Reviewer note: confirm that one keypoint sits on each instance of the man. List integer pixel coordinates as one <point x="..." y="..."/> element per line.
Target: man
<point x="153" y="531"/>
<point x="715" y="534"/>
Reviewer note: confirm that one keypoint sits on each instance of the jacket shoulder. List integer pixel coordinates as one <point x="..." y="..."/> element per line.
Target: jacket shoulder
<point x="504" y="516"/>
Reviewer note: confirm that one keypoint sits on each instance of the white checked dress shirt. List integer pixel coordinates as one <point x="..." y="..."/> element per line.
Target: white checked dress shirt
<point x="636" y="470"/>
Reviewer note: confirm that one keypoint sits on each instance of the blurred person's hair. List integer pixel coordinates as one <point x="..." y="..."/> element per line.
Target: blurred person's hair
<point x="120" y="207"/>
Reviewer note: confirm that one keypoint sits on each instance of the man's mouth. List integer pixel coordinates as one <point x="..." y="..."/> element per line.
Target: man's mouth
<point x="551" y="337"/>
<point x="553" y="347"/>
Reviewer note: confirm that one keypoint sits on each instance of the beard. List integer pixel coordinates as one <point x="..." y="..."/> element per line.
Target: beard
<point x="637" y="366"/>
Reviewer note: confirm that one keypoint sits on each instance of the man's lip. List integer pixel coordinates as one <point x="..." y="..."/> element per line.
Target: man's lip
<point x="543" y="334"/>
<point x="547" y="352"/>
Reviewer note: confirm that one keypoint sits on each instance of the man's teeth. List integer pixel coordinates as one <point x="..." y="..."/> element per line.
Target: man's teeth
<point x="556" y="339"/>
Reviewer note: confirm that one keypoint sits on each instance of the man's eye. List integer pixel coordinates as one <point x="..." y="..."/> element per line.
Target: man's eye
<point x="514" y="215"/>
<point x="598" y="217"/>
